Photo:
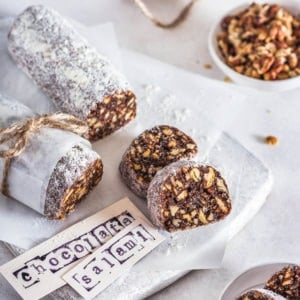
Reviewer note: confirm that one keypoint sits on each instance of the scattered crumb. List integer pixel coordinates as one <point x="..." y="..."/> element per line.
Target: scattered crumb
<point x="207" y="66"/>
<point x="181" y="115"/>
<point x="151" y="89"/>
<point x="271" y="140"/>
<point x="168" y="99"/>
<point x="268" y="111"/>
<point x="227" y="79"/>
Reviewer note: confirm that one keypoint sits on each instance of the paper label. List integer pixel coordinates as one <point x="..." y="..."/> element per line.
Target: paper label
<point x="106" y="264"/>
<point x="38" y="272"/>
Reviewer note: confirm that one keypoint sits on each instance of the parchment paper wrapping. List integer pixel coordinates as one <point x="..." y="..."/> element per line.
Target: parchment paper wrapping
<point x="30" y="172"/>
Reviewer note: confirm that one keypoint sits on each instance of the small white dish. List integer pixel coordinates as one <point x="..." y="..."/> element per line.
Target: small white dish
<point x="253" y="278"/>
<point x="273" y="86"/>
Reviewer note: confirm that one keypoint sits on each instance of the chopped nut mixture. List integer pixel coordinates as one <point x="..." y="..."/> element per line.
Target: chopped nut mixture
<point x="150" y="152"/>
<point x="262" y="42"/>
<point x="186" y="195"/>
<point x="271" y="140"/>
<point x="286" y="282"/>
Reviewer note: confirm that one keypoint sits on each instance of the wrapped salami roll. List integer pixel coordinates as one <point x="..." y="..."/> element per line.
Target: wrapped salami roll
<point x="71" y="72"/>
<point x="56" y="169"/>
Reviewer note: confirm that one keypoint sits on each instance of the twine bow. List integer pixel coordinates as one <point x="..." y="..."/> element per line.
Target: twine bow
<point x="179" y="19"/>
<point x="17" y="136"/>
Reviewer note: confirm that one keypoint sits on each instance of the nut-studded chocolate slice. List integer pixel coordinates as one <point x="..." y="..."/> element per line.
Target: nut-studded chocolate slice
<point x="114" y="112"/>
<point x="150" y="152"/>
<point x="186" y="195"/>
<point x="260" y="294"/>
<point x="286" y="282"/>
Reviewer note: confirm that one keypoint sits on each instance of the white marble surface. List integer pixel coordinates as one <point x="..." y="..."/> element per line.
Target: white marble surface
<point x="273" y="234"/>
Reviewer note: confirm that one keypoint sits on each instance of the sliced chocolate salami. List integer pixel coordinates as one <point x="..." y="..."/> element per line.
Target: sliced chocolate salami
<point x="260" y="294"/>
<point x="286" y="282"/>
<point x="150" y="152"/>
<point x="186" y="195"/>
<point x="70" y="71"/>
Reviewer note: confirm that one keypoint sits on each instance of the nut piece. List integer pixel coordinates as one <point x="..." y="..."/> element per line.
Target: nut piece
<point x="182" y="195"/>
<point x="209" y="178"/>
<point x="178" y="188"/>
<point x="173" y="210"/>
<point x="271" y="140"/>
<point x="195" y="174"/>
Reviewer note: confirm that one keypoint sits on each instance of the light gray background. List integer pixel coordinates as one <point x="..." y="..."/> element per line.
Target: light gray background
<point x="273" y="235"/>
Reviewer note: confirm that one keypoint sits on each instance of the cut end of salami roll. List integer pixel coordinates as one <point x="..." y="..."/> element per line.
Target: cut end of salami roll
<point x="186" y="195"/>
<point x="74" y="176"/>
<point x="111" y="114"/>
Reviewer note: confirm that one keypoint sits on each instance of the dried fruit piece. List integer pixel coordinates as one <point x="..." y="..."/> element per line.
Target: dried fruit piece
<point x="150" y="152"/>
<point x="193" y="202"/>
<point x="259" y="294"/>
<point x="286" y="282"/>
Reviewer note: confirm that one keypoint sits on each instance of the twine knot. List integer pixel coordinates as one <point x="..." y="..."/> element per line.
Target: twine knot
<point x="17" y="136"/>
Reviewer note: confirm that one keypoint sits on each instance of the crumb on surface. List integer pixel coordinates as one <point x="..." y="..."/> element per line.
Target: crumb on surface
<point x="271" y="140"/>
<point x="227" y="79"/>
<point x="207" y="66"/>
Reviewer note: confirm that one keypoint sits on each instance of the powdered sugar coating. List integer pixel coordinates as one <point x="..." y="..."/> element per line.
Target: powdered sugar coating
<point x="264" y="293"/>
<point x="59" y="60"/>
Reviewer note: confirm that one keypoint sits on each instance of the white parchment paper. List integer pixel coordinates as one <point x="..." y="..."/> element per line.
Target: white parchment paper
<point x="166" y="95"/>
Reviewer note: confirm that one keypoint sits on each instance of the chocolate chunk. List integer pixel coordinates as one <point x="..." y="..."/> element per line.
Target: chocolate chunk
<point x="286" y="282"/>
<point x="186" y="195"/>
<point x="150" y="152"/>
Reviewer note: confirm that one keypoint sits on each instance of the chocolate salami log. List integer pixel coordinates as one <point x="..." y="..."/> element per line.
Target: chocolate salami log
<point x="71" y="72"/>
<point x="56" y="169"/>
<point x="185" y="195"/>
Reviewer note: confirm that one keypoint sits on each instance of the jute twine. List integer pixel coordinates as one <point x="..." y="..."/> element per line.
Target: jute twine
<point x="17" y="137"/>
<point x="179" y="19"/>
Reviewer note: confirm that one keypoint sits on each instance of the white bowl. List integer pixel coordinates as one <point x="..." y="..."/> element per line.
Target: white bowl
<point x="253" y="278"/>
<point x="274" y="86"/>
